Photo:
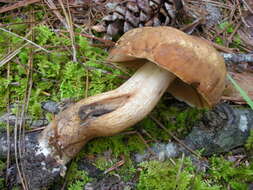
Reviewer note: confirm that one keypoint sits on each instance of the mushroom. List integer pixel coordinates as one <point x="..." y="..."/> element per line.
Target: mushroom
<point x="166" y="59"/>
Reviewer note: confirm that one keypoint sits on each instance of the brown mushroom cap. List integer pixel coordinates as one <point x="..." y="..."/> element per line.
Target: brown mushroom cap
<point x="200" y="69"/>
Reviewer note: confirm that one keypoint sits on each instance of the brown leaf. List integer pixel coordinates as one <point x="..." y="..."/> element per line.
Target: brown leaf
<point x="245" y="81"/>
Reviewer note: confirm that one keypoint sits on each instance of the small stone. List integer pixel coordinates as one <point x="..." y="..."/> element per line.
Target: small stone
<point x="161" y="156"/>
<point x="89" y="186"/>
<point x="50" y="106"/>
<point x="39" y="123"/>
<point x="171" y="150"/>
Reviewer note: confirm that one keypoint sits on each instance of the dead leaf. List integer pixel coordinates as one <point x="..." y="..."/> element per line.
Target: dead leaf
<point x="245" y="81"/>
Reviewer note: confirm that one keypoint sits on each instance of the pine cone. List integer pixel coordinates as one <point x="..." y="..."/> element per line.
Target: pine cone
<point x="128" y="14"/>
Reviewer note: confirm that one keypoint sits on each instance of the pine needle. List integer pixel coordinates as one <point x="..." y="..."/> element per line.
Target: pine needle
<point x="23" y="38"/>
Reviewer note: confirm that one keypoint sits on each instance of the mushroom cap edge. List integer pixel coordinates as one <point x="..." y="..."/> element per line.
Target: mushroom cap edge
<point x="199" y="68"/>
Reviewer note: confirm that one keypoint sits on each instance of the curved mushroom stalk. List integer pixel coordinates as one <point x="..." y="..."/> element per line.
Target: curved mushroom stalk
<point x="105" y="114"/>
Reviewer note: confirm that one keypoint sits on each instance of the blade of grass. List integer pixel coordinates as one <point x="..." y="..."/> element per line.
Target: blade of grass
<point x="241" y="91"/>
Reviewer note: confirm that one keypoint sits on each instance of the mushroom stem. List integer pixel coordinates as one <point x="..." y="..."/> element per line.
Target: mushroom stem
<point x="105" y="114"/>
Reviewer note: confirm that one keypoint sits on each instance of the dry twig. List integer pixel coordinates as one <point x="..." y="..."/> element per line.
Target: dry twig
<point x="16" y="152"/>
<point x="69" y="26"/>
<point x="115" y="166"/>
<point x="237" y="58"/>
<point x="18" y="5"/>
<point x="8" y="126"/>
<point x="52" y="6"/>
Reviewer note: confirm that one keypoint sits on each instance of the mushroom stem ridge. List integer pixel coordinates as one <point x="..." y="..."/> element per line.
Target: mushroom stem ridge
<point x="107" y="113"/>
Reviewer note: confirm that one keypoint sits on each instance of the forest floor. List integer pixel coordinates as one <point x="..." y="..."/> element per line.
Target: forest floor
<point x="53" y="52"/>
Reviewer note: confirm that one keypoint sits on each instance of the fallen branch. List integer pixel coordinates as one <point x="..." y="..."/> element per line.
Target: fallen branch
<point x="219" y="131"/>
<point x="237" y="58"/>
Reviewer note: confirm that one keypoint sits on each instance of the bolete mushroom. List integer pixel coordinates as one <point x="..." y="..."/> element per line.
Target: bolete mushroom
<point x="166" y="58"/>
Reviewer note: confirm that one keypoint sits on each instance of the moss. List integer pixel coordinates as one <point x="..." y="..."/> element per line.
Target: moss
<point x="183" y="175"/>
<point x="2" y="170"/>
<point x="43" y="35"/>
<point x="72" y="84"/>
<point x="179" y="119"/>
<point x="119" y="147"/>
<point x="103" y="163"/>
<point x="249" y="143"/>
<point x="182" y="121"/>
<point x="226" y="173"/>
<point x="228" y="27"/>
<point x="157" y="175"/>
<point x="55" y="76"/>
<point x="76" y="179"/>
